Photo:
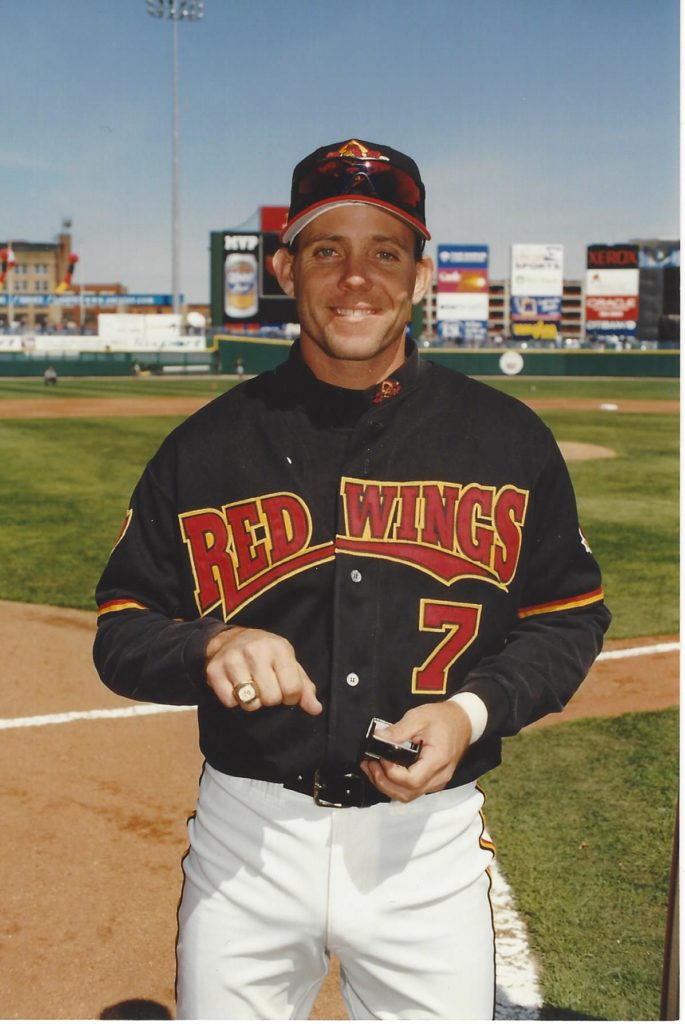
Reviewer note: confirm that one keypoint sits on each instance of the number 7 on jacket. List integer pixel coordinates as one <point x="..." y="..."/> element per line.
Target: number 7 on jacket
<point x="459" y="623"/>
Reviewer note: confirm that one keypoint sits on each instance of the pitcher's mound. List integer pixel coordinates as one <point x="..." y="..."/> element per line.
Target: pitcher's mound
<point x="574" y="451"/>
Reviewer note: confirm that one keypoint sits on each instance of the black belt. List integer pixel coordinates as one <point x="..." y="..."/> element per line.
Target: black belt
<point x="336" y="787"/>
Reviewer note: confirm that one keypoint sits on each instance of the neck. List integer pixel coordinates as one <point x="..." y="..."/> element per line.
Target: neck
<point x="354" y="374"/>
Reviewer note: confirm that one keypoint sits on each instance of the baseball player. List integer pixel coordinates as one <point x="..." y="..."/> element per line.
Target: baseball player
<point x="357" y="535"/>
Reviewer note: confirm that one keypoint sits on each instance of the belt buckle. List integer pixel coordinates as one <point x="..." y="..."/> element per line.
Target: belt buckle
<point x="348" y="780"/>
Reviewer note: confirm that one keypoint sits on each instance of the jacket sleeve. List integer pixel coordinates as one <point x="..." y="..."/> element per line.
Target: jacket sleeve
<point x="145" y="646"/>
<point x="561" y="619"/>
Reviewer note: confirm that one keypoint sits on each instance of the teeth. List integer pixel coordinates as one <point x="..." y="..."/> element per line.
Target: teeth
<point x="354" y="314"/>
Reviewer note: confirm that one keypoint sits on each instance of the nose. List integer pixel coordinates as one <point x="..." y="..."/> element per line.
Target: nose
<point x="354" y="274"/>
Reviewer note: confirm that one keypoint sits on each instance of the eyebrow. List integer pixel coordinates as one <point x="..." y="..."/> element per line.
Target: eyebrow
<point x="317" y="239"/>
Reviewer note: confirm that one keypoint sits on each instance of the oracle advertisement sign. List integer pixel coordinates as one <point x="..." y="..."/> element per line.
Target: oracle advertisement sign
<point x="537" y="287"/>
<point x="612" y="288"/>
<point x="463" y="292"/>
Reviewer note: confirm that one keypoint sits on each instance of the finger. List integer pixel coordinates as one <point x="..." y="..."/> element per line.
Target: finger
<point x="223" y="690"/>
<point x="400" y="732"/>
<point x="253" y="705"/>
<point x="376" y="772"/>
<point x="290" y="677"/>
<point x="309" y="702"/>
<point x="222" y="682"/>
<point x="268" y="686"/>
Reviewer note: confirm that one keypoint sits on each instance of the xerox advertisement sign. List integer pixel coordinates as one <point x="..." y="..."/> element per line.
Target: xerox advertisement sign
<point x="537" y="287"/>
<point x="613" y="257"/>
<point x="612" y="288"/>
<point x="463" y="292"/>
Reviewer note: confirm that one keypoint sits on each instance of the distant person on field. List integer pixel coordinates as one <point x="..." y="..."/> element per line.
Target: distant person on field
<point x="50" y="376"/>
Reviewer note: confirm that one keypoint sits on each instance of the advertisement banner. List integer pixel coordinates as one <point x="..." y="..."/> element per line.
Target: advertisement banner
<point x="461" y="306"/>
<point x="466" y="280"/>
<point x="463" y="330"/>
<point x="241" y="276"/>
<point x="612" y="282"/>
<point x="537" y="331"/>
<point x="109" y="300"/>
<point x="533" y="308"/>
<point x="462" y="292"/>
<point x="537" y="270"/>
<point x="470" y="257"/>
<point x="612" y="289"/>
<point x="611" y="307"/>
<point x="615" y="328"/>
<point x="613" y="257"/>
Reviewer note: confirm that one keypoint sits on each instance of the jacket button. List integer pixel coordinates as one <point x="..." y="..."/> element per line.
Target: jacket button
<point x="352" y="679"/>
<point x="356" y="576"/>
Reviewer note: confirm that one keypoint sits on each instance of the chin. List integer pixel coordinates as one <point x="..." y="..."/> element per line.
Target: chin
<point x="358" y="349"/>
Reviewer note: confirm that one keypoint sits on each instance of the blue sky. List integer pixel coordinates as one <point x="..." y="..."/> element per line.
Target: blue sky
<point x="531" y="120"/>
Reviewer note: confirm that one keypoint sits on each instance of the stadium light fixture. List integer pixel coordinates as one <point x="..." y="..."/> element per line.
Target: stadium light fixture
<point x="175" y="11"/>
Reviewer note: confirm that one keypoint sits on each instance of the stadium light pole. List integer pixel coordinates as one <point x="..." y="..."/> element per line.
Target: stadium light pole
<point x="175" y="10"/>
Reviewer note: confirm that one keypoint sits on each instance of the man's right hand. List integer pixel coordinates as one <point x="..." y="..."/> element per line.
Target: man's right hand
<point x="239" y="655"/>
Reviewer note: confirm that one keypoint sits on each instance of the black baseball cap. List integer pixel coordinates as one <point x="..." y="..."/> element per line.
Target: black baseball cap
<point x="356" y="172"/>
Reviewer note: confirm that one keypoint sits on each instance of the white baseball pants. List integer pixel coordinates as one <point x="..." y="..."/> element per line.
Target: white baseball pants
<point x="274" y="884"/>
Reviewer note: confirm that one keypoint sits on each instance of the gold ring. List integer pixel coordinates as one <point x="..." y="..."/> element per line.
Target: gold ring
<point x="246" y="692"/>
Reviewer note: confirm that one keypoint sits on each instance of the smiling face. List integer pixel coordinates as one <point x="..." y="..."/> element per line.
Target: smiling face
<point x="354" y="276"/>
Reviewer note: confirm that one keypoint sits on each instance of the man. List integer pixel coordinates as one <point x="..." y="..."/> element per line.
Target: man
<point x="357" y="534"/>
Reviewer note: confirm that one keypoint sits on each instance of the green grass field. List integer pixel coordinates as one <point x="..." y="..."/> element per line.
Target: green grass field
<point x="583" y="813"/>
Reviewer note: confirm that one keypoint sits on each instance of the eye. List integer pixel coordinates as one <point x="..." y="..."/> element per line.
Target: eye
<point x="387" y="257"/>
<point x="325" y="252"/>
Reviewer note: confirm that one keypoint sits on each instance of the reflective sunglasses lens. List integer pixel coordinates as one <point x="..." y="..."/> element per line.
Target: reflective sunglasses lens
<point x="372" y="178"/>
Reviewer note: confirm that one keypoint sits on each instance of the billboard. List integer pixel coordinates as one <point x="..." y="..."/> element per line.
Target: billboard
<point x="109" y="300"/>
<point x="244" y="289"/>
<point x="612" y="289"/>
<point x="242" y="258"/>
<point x="537" y="288"/>
<point x="533" y="308"/>
<point x="463" y="292"/>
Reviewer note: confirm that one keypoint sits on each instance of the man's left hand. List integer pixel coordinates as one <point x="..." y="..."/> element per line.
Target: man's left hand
<point x="445" y="730"/>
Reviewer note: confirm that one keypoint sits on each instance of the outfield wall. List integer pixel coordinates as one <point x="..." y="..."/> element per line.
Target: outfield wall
<point x="106" y="364"/>
<point x="258" y="354"/>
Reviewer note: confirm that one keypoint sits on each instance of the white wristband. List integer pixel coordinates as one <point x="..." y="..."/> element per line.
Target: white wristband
<point x="476" y="711"/>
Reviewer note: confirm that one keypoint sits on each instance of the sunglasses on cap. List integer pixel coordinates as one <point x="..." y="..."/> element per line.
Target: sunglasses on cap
<point x="371" y="179"/>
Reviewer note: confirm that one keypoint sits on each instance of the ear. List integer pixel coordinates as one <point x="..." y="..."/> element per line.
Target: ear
<point x="283" y="269"/>
<point x="424" y="276"/>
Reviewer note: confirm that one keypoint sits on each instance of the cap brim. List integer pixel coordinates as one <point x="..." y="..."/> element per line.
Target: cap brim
<point x="294" y="227"/>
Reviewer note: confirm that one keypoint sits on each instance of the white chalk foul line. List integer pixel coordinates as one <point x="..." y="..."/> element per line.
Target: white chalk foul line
<point x="162" y="709"/>
<point x="637" y="652"/>
<point x="75" y="716"/>
<point x="518" y="995"/>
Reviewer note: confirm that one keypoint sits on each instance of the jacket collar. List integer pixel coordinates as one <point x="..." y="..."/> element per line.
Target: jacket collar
<point x="342" y="407"/>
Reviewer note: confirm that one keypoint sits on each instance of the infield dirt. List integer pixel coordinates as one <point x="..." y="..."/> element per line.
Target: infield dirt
<point x="95" y="809"/>
<point x="96" y="812"/>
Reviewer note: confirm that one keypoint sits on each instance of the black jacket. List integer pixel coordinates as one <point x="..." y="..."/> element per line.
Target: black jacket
<point x="411" y="541"/>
